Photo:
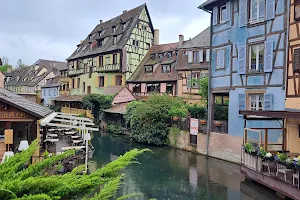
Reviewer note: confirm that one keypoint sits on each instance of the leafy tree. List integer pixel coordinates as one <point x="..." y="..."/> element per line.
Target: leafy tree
<point x="4" y="67"/>
<point x="97" y="102"/>
<point x="149" y="120"/>
<point x="21" y="180"/>
<point x="20" y="63"/>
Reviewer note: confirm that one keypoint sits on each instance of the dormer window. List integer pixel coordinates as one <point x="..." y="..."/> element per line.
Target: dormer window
<point x="114" y="29"/>
<point x="169" y="54"/>
<point x="148" y="69"/>
<point x="160" y="56"/>
<point x="90" y="37"/>
<point x="115" y="40"/>
<point x="100" y="33"/>
<point x="152" y="56"/>
<point x="123" y="26"/>
<point x="100" y="43"/>
<point x="166" y="69"/>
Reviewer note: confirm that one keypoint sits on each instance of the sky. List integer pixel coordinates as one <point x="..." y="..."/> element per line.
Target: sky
<point x="51" y="29"/>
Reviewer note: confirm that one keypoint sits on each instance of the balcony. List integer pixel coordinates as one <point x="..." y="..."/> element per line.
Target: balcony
<point x="108" y="68"/>
<point x="75" y="72"/>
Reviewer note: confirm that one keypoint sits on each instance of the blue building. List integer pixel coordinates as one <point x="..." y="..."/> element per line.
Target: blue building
<point x="50" y="91"/>
<point x="248" y="56"/>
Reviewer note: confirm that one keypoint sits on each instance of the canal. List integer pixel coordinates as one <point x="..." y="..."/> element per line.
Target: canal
<point x="176" y="174"/>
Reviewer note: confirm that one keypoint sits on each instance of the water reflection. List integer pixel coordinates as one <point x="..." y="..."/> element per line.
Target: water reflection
<point x="175" y="174"/>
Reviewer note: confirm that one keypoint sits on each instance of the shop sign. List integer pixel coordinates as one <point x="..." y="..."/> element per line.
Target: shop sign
<point x="12" y="115"/>
<point x="194" y="126"/>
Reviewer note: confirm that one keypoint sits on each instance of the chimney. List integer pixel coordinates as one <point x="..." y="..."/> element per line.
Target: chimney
<point x="156" y="37"/>
<point x="125" y="11"/>
<point x="181" y="39"/>
<point x="8" y="69"/>
<point x="101" y="21"/>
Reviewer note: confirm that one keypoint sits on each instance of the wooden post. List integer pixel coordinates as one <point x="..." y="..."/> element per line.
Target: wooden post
<point x="245" y="136"/>
<point x="266" y="139"/>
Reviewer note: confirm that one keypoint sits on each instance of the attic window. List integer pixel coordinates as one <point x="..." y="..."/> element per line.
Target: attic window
<point x="152" y="56"/>
<point x="166" y="69"/>
<point x="148" y="69"/>
<point x="169" y="54"/>
<point x="90" y="37"/>
<point x="115" y="40"/>
<point x="100" y="42"/>
<point x="100" y="33"/>
<point x="114" y="29"/>
<point x="123" y="26"/>
<point x="160" y="56"/>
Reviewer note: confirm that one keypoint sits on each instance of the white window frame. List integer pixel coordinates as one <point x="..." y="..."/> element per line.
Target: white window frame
<point x="148" y="67"/>
<point x="166" y="69"/>
<point x="257" y="57"/>
<point x="195" y="77"/>
<point x="221" y="17"/>
<point x="257" y="18"/>
<point x="256" y="98"/>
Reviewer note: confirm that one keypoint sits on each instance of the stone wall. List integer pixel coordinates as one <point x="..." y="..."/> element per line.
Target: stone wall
<point x="221" y="146"/>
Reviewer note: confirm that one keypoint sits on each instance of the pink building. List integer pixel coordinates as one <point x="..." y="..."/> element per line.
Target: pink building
<point x="2" y="80"/>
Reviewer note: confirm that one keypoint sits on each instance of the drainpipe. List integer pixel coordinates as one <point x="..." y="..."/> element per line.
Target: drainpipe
<point x="209" y="117"/>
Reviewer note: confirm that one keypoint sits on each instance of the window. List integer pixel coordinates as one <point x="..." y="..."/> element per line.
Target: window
<point x="100" y="42"/>
<point x="101" y="81"/>
<point x="256" y="101"/>
<point x="107" y="60"/>
<point x="169" y="88"/>
<point x="88" y="89"/>
<point x="136" y="88"/>
<point x="123" y="26"/>
<point x="160" y="56"/>
<point x="114" y="29"/>
<point x="83" y="86"/>
<point x="256" y="58"/>
<point x="115" y="59"/>
<point x="101" y="61"/>
<point x="152" y="56"/>
<point x="220" y="59"/>
<point x="115" y="40"/>
<point x="67" y="86"/>
<point x="193" y="139"/>
<point x="135" y="43"/>
<point x="100" y="33"/>
<point x="118" y="79"/>
<point x="166" y="69"/>
<point x="195" y="56"/>
<point x="169" y="55"/>
<point x="73" y="83"/>
<point x="297" y="9"/>
<point x="78" y="82"/>
<point x="223" y="13"/>
<point x="147" y="46"/>
<point x="296" y="61"/>
<point x="90" y="37"/>
<point x="153" y="87"/>
<point x="195" y="79"/>
<point x="257" y="10"/>
<point x="148" y="69"/>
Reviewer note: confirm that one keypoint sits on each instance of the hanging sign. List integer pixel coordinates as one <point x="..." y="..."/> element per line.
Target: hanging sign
<point x="194" y="126"/>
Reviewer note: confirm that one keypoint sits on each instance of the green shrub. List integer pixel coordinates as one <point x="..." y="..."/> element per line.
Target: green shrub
<point x="55" y="108"/>
<point x="221" y="113"/>
<point x="115" y="129"/>
<point x="178" y="112"/>
<point x="197" y="111"/>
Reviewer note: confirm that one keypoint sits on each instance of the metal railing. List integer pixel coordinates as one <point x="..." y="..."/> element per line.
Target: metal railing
<point x="279" y="171"/>
<point x="75" y="72"/>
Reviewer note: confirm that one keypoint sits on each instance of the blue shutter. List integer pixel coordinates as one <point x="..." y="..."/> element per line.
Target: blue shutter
<point x="268" y="100"/>
<point x="242" y="60"/>
<point x="189" y="80"/>
<point x="270" y="9"/>
<point x="242" y="13"/>
<point x="215" y="15"/>
<point x="228" y="8"/>
<point x="221" y="59"/>
<point x="242" y="101"/>
<point x="268" y="60"/>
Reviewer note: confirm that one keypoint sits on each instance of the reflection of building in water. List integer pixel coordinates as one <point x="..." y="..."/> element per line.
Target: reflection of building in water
<point x="193" y="175"/>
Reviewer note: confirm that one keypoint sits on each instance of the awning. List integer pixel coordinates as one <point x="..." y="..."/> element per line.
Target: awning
<point x="283" y="114"/>
<point x="117" y="109"/>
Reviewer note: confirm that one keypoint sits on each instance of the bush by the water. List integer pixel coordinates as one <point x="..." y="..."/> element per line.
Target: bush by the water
<point x="149" y="120"/>
<point x="115" y="128"/>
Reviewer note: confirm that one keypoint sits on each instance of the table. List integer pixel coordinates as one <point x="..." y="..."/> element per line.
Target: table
<point x="51" y="135"/>
<point x="77" y="141"/>
<point x="51" y="140"/>
<point x="75" y="136"/>
<point x="74" y="147"/>
<point x="70" y="133"/>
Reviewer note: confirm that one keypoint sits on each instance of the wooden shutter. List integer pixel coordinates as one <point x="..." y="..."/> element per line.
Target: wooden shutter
<point x="201" y="55"/>
<point x="207" y="55"/>
<point x="268" y="98"/>
<point x="190" y="56"/>
<point x="268" y="60"/>
<point x="242" y="101"/>
<point x="270" y="9"/>
<point x="296" y="60"/>
<point x="215" y="15"/>
<point x="242" y="60"/>
<point x="189" y="80"/>
<point x="242" y="13"/>
<point x="228" y="8"/>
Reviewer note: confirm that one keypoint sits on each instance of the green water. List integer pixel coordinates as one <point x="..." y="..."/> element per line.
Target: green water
<point x="175" y="174"/>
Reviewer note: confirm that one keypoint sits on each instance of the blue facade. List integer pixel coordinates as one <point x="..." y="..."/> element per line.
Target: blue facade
<point x="248" y="59"/>
<point x="48" y="94"/>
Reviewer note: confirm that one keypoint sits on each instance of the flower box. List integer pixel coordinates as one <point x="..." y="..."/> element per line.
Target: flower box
<point x="218" y="123"/>
<point x="175" y="119"/>
<point x="203" y="122"/>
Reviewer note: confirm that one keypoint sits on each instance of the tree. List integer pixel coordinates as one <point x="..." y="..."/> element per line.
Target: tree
<point x="21" y="180"/>
<point x="20" y="63"/>
<point x="4" y="60"/>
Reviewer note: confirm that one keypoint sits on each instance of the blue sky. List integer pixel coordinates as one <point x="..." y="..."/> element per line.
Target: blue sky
<point x="38" y="29"/>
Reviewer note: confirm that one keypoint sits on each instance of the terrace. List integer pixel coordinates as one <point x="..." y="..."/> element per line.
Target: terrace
<point x="269" y="155"/>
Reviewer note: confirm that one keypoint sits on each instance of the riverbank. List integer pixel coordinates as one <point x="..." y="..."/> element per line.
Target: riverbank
<point x="170" y="173"/>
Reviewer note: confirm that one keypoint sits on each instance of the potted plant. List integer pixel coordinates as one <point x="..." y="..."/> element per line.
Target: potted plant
<point x="281" y="158"/>
<point x="265" y="155"/>
<point x="249" y="148"/>
<point x="218" y="123"/>
<point x="289" y="163"/>
<point x="297" y="164"/>
<point x="203" y="122"/>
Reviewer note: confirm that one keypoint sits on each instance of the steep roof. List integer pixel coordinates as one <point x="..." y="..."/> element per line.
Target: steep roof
<point x="130" y="18"/>
<point x="201" y="40"/>
<point x="23" y="104"/>
<point x="52" y="82"/>
<point x="140" y="76"/>
<point x="50" y="64"/>
<point x="209" y="4"/>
